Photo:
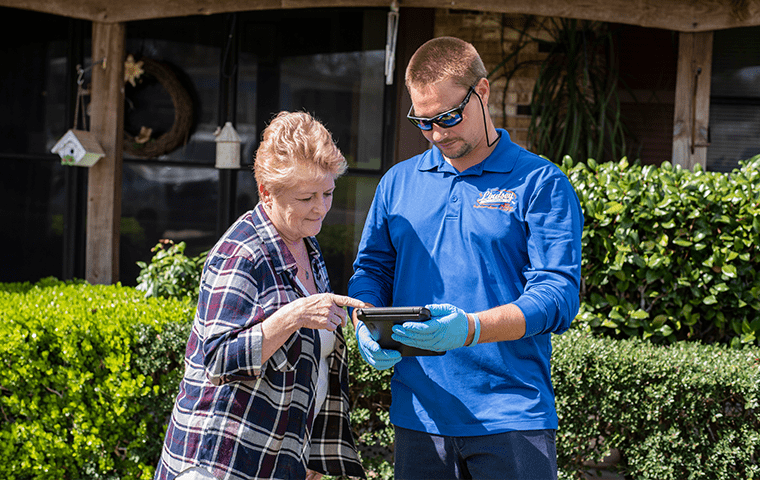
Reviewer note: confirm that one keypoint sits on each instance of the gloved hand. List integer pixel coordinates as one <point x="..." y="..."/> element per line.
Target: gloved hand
<point x="446" y="330"/>
<point x="371" y="351"/>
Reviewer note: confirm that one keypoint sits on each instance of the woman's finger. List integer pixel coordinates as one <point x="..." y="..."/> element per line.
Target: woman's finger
<point x="344" y="301"/>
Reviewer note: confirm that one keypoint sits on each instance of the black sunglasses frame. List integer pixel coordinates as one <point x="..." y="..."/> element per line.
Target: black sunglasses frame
<point x="426" y="124"/>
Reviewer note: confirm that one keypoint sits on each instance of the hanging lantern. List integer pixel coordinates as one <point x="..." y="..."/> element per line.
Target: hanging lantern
<point x="79" y="148"/>
<point x="227" y="147"/>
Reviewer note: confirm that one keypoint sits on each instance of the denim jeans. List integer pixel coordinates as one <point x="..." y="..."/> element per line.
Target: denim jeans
<point x="521" y="455"/>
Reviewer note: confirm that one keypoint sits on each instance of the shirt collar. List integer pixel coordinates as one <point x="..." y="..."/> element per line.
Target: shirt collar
<point x="501" y="160"/>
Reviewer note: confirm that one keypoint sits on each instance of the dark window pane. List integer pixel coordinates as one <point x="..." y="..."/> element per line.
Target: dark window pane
<point x="734" y="98"/>
<point x="735" y="135"/>
<point x="31" y="239"/>
<point x="160" y="201"/>
<point x="33" y="93"/>
<point x="189" y="48"/>
<point x="342" y="228"/>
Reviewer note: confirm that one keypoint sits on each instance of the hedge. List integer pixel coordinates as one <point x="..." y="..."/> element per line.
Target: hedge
<point x="674" y="412"/>
<point x="91" y="373"/>
<point x="89" y="376"/>
<point x="670" y="254"/>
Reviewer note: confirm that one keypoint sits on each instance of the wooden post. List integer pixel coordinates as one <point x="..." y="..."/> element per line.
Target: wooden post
<point x="104" y="179"/>
<point x="692" y="101"/>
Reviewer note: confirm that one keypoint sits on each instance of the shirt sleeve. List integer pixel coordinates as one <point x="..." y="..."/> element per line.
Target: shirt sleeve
<point x="554" y="220"/>
<point x="230" y="320"/>
<point x="375" y="263"/>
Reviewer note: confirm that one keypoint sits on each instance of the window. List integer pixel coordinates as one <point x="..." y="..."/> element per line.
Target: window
<point x="734" y="98"/>
<point x="33" y="117"/>
<point x="328" y="62"/>
<point x="325" y="61"/>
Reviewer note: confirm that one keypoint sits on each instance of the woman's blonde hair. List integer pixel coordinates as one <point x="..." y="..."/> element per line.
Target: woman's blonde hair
<point x="295" y="145"/>
<point x="445" y="58"/>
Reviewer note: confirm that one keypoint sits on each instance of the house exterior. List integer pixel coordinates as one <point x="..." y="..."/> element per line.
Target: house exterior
<point x="692" y="96"/>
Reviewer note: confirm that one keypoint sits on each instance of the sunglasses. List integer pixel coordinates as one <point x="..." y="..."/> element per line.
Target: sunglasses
<point x="444" y="120"/>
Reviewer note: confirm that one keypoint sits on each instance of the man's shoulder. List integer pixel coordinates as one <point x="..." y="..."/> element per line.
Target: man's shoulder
<point x="533" y="162"/>
<point x="402" y="173"/>
<point x="421" y="161"/>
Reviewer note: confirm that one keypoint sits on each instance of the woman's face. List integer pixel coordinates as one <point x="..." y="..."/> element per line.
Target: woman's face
<point x="297" y="212"/>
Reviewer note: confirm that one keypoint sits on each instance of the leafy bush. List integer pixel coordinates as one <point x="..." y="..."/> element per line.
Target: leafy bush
<point x="89" y="377"/>
<point x="681" y="411"/>
<point x="370" y="395"/>
<point x="677" y="411"/>
<point x="670" y="254"/>
<point x="91" y="373"/>
<point x="170" y="272"/>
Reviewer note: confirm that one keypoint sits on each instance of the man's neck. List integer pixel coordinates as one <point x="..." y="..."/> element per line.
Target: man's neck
<point x="476" y="156"/>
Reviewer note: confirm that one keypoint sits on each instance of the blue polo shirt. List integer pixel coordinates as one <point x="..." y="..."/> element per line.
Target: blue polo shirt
<point x="507" y="230"/>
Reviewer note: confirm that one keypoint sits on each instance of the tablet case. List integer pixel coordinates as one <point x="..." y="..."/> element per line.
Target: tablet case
<point x="380" y="320"/>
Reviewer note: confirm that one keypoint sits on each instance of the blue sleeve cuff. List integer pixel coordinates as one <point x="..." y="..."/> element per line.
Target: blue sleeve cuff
<point x="365" y="290"/>
<point x="536" y="316"/>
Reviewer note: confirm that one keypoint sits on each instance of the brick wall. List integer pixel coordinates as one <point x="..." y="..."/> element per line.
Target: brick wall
<point x="495" y="35"/>
<point x="649" y="65"/>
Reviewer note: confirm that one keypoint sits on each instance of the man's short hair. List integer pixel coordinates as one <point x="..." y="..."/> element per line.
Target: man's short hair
<point x="445" y="58"/>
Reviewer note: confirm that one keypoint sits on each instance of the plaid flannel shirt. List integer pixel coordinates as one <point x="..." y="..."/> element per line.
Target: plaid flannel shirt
<point x="240" y="419"/>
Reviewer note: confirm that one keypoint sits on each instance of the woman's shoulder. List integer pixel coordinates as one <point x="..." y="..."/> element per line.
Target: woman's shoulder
<point x="240" y="240"/>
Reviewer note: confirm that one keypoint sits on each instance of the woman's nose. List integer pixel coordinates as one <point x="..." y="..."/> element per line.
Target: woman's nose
<point x="322" y="205"/>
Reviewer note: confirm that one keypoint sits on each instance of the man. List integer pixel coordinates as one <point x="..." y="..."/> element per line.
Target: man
<point x="488" y="236"/>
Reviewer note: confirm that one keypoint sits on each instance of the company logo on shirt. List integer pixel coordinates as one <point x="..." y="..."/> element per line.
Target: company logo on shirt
<point x="502" y="199"/>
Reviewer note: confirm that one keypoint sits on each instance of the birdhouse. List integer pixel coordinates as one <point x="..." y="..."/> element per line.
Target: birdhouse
<point x="227" y="147"/>
<point x="79" y="148"/>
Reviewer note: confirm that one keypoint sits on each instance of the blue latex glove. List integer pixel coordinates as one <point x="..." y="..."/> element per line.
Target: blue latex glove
<point x="446" y="330"/>
<point x="371" y="351"/>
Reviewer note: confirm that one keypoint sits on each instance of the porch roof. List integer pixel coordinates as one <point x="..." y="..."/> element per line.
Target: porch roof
<point x="678" y="15"/>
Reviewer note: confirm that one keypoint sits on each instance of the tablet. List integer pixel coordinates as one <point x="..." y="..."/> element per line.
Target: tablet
<point x="380" y="320"/>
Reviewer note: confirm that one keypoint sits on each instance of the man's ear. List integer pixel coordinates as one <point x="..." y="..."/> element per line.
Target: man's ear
<point x="484" y="89"/>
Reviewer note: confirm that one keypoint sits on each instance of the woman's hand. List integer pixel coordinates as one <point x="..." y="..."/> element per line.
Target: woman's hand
<point x="320" y="311"/>
<point x="323" y="310"/>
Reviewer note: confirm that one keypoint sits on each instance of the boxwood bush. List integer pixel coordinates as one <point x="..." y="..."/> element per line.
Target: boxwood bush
<point x="91" y="373"/>
<point x="89" y="376"/>
<point x="674" y="412"/>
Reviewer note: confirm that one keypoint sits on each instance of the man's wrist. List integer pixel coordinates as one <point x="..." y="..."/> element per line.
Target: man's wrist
<point x="475" y="338"/>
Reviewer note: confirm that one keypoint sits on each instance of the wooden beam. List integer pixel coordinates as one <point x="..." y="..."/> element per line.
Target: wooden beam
<point x="104" y="179"/>
<point x="678" y="15"/>
<point x="416" y="26"/>
<point x="692" y="101"/>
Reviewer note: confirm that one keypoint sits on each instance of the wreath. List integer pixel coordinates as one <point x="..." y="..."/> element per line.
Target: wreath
<point x="143" y="145"/>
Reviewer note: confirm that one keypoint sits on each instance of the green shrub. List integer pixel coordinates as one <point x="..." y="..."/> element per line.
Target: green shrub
<point x="680" y="411"/>
<point x="89" y="376"/>
<point x="170" y="272"/>
<point x="370" y="395"/>
<point x="91" y="373"/>
<point x="674" y="412"/>
<point x="670" y="254"/>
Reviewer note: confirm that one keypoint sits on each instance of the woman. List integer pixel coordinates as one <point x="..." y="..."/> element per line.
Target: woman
<point x="265" y="390"/>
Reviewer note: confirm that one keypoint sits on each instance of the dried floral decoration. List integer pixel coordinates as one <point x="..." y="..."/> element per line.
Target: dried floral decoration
<point x="132" y="70"/>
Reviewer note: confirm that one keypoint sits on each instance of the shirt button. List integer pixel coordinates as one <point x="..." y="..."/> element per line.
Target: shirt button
<point x="454" y="198"/>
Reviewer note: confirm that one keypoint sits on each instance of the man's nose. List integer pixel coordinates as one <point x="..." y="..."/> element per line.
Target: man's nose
<point x="438" y="132"/>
